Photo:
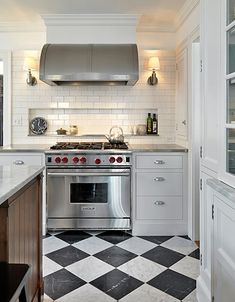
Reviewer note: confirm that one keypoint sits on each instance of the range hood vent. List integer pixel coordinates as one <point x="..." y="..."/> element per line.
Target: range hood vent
<point x="89" y="64"/>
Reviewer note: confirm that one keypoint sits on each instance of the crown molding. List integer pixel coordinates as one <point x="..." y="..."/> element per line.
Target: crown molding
<point x="90" y="19"/>
<point x="156" y="28"/>
<point x="22" y="26"/>
<point x="185" y="11"/>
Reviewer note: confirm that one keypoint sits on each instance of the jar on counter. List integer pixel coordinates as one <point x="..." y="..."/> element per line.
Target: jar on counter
<point x="73" y="129"/>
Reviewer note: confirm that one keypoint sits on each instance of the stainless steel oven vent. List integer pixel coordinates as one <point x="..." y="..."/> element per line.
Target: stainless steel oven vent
<point x="89" y="64"/>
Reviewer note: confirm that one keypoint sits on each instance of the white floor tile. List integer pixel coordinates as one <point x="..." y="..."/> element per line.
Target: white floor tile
<point x="187" y="266"/>
<point x="47" y="299"/>
<point x="147" y="293"/>
<point x="180" y="245"/>
<point x="50" y="266"/>
<point x="89" y="268"/>
<point x="142" y="269"/>
<point x="191" y="297"/>
<point x="92" y="245"/>
<point x="52" y="244"/>
<point x="137" y="245"/>
<point x="86" y="293"/>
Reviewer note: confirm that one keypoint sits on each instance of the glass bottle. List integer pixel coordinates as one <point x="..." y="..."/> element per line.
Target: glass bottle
<point x="149" y="124"/>
<point x="155" y="124"/>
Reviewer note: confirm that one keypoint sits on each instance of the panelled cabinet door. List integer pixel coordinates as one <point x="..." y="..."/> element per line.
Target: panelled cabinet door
<point x="224" y="252"/>
<point x="182" y="96"/>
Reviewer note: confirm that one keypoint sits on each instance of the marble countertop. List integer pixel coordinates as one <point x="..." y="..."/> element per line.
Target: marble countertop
<point x="13" y="178"/>
<point x="25" y="148"/>
<point x="222" y="188"/>
<point x="132" y="147"/>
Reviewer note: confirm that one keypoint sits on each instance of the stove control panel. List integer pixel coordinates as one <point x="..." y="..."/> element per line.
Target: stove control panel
<point x="88" y="159"/>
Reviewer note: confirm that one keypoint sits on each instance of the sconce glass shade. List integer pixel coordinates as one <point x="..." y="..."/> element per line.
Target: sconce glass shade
<point x="153" y="64"/>
<point x="30" y="64"/>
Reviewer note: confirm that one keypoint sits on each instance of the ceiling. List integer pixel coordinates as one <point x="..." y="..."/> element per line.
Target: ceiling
<point x="152" y="12"/>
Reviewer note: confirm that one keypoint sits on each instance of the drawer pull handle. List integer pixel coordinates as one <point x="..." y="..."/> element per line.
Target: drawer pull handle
<point x="159" y="179"/>
<point x="159" y="162"/>
<point x="18" y="162"/>
<point x="159" y="203"/>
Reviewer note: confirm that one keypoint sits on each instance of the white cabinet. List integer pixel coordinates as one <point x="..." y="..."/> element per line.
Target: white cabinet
<point x="182" y="96"/>
<point x="224" y="250"/>
<point x="217" y="271"/>
<point x="204" y="280"/>
<point x="159" y="194"/>
<point x="210" y="82"/>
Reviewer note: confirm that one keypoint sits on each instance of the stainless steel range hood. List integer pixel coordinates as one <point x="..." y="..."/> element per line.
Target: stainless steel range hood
<point x="89" y="64"/>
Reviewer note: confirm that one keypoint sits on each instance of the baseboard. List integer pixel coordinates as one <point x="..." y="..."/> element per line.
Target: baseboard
<point x="158" y="229"/>
<point x="203" y="294"/>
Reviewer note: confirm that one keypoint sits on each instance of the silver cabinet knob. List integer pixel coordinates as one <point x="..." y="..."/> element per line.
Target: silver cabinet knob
<point x="18" y="162"/>
<point x="159" y="203"/>
<point x="184" y="122"/>
<point x="159" y="162"/>
<point x="159" y="179"/>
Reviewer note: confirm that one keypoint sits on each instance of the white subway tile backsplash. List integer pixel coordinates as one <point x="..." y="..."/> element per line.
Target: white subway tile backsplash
<point x="94" y="109"/>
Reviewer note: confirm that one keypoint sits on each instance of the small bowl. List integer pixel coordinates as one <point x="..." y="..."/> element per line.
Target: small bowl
<point x="61" y="131"/>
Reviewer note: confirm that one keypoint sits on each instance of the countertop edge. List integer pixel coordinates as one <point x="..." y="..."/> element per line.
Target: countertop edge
<point x="21" y="184"/>
<point x="222" y="188"/>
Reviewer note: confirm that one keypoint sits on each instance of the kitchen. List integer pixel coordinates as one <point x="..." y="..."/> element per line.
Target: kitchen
<point x="171" y="158"/>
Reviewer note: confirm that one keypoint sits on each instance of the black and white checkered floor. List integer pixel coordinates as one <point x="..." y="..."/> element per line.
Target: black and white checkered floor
<point x="115" y="266"/>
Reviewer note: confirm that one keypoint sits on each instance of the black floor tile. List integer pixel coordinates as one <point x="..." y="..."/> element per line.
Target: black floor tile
<point x="73" y="236"/>
<point x="116" y="284"/>
<point x="156" y="239"/>
<point x="61" y="283"/>
<point x="115" y="256"/>
<point x="174" y="284"/>
<point x="114" y="237"/>
<point x="195" y="254"/>
<point x="163" y="256"/>
<point x="67" y="255"/>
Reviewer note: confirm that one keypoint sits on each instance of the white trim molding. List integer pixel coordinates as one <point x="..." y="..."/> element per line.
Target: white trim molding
<point x="90" y="19"/>
<point x="5" y="56"/>
<point x="185" y="11"/>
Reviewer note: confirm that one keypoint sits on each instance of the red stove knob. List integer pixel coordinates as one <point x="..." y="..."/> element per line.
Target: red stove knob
<point x="83" y="160"/>
<point x="97" y="161"/>
<point x="65" y="160"/>
<point x="112" y="159"/>
<point x="75" y="160"/>
<point x="58" y="160"/>
<point x="119" y="159"/>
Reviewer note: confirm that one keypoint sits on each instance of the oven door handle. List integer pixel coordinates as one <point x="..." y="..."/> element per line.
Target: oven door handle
<point x="88" y="174"/>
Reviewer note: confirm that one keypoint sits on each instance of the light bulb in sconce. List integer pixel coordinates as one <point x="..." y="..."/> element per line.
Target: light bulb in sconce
<point x="153" y="64"/>
<point x="29" y="65"/>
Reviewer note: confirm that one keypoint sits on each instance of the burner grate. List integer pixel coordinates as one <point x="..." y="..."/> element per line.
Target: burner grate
<point x="88" y="146"/>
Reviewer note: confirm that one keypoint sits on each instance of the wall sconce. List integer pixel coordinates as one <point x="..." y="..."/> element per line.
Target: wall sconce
<point x="153" y="64"/>
<point x="30" y="64"/>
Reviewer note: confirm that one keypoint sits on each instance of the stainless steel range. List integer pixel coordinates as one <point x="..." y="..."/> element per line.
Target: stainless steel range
<point x="88" y="186"/>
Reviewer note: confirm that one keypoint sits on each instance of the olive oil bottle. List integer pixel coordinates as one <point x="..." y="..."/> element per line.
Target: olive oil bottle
<point x="149" y="124"/>
<point x="155" y="124"/>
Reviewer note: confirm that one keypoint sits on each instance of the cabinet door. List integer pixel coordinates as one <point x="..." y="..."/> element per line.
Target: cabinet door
<point x="182" y="96"/>
<point x="224" y="252"/>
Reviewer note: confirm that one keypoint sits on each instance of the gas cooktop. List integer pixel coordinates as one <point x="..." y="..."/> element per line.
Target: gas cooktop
<point x="89" y="146"/>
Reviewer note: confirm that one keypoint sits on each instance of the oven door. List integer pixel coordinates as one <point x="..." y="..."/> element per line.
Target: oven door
<point x="88" y="193"/>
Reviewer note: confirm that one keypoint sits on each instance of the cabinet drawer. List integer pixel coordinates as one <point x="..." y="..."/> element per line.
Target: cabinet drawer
<point x="21" y="159"/>
<point x="158" y="207"/>
<point x="159" y="183"/>
<point x="159" y="162"/>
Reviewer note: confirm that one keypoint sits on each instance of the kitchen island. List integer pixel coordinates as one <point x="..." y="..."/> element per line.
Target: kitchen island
<point x="21" y="221"/>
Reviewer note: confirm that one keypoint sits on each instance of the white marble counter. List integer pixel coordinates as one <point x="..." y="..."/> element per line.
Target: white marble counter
<point x="13" y="178"/>
<point x="157" y="148"/>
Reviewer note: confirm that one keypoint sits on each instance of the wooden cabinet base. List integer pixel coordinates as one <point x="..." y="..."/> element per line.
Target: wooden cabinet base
<point x="21" y="233"/>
